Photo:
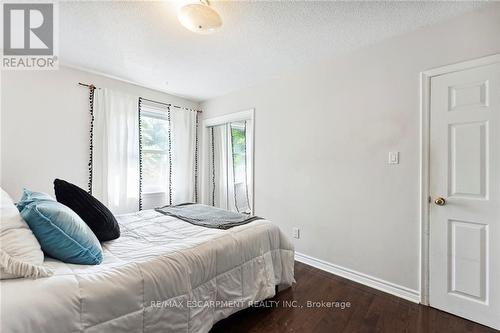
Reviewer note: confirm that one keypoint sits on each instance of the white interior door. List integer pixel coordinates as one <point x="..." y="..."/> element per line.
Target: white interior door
<point x="465" y="172"/>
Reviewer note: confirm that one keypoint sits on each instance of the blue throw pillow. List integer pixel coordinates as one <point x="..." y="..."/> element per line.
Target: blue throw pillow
<point x="31" y="196"/>
<point x="61" y="233"/>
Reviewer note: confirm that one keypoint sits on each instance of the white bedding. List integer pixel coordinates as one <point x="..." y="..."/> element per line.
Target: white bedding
<point x="161" y="275"/>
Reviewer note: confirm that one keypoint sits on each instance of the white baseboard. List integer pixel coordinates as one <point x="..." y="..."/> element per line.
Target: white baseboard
<point x="370" y="281"/>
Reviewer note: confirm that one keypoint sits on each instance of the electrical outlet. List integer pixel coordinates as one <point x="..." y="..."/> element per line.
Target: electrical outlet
<point x="296" y="233"/>
<point x="393" y="157"/>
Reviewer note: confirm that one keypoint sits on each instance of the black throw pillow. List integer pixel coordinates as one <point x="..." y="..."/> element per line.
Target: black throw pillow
<point x="97" y="216"/>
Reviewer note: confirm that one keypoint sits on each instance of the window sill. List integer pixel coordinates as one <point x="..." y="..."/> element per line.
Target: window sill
<point x="153" y="193"/>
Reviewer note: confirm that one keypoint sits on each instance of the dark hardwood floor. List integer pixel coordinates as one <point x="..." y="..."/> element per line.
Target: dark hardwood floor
<point x="370" y="311"/>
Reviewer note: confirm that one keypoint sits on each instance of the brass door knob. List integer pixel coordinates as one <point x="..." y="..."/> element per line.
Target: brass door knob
<point x="440" y="201"/>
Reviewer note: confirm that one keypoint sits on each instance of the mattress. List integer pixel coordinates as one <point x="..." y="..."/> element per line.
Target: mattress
<point x="161" y="275"/>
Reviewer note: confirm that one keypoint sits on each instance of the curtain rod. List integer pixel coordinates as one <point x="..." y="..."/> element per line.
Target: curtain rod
<point x="91" y="86"/>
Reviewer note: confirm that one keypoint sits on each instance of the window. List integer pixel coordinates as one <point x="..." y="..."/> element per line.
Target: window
<point x="168" y="154"/>
<point x="155" y="163"/>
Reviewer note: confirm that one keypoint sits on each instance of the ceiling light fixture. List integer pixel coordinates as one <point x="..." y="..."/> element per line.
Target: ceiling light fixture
<point x="200" y="17"/>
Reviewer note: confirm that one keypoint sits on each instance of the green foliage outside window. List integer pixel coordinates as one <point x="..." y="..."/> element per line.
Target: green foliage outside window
<point x="238" y="138"/>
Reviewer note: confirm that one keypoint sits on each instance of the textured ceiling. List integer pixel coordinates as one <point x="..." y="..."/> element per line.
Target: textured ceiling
<point x="143" y="41"/>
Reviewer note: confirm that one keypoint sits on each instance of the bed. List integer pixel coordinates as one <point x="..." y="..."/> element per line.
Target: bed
<point x="161" y="275"/>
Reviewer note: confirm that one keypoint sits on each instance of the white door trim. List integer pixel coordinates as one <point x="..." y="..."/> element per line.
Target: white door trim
<point x="425" y="80"/>
<point x="230" y="117"/>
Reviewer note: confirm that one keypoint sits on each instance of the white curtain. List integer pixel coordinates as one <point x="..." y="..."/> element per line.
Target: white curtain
<point x="115" y="167"/>
<point x="218" y="167"/>
<point x="183" y="127"/>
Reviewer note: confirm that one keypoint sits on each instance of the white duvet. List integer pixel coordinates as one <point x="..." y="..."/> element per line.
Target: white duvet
<point x="161" y="275"/>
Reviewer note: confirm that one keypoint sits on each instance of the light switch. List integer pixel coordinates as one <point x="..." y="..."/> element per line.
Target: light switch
<point x="393" y="157"/>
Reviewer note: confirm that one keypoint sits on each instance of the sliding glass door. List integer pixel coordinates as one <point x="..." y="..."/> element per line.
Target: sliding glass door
<point x="230" y="163"/>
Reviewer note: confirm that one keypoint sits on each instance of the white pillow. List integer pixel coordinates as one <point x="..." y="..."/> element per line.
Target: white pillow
<point x="20" y="252"/>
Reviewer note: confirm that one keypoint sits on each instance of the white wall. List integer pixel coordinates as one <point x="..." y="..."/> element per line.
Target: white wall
<point x="45" y="124"/>
<point x="322" y="138"/>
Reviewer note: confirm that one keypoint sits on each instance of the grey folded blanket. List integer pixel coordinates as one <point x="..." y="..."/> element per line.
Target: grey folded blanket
<point x="207" y="216"/>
